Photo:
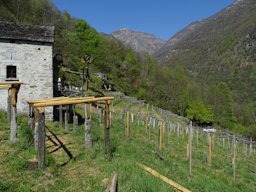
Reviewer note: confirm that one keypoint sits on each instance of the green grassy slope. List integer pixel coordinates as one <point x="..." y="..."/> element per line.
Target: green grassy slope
<point x="90" y="171"/>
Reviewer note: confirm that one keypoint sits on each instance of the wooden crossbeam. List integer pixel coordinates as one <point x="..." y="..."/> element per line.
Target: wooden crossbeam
<point x="46" y="99"/>
<point x="57" y="99"/>
<point x="11" y="83"/>
<point x="4" y="87"/>
<point x="72" y="101"/>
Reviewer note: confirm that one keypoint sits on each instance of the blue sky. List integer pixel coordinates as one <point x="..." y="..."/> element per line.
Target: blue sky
<point x="162" y="18"/>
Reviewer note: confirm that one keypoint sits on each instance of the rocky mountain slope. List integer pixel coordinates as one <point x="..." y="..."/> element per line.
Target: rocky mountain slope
<point x="219" y="48"/>
<point x="140" y="42"/>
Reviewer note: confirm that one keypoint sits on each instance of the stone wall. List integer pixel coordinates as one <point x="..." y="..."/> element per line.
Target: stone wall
<point x="34" y="69"/>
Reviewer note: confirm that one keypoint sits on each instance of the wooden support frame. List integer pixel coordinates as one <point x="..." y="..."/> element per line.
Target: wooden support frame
<point x="13" y="89"/>
<point x="71" y="101"/>
<point x="39" y="107"/>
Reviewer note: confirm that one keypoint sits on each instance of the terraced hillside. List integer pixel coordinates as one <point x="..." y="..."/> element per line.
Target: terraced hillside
<point x="88" y="170"/>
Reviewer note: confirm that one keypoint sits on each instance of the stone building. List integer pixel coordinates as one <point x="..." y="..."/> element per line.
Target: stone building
<point x="26" y="54"/>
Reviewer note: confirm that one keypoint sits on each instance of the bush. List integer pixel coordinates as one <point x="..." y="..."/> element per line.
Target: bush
<point x="198" y="111"/>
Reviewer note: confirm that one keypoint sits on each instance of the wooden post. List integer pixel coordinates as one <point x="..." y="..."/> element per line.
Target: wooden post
<point x="13" y="116"/>
<point x="213" y="140"/>
<point x="245" y="150"/>
<point x="132" y="118"/>
<point x="90" y="110"/>
<point x="41" y="137"/>
<point x="183" y="133"/>
<point x="197" y="136"/>
<point x="36" y="119"/>
<point x="209" y="148"/>
<point x="9" y="98"/>
<point x="190" y="147"/>
<point x="163" y="128"/>
<point x="66" y="121"/>
<point x="13" y="124"/>
<point x="87" y="127"/>
<point x="127" y="127"/>
<point x="75" y="122"/>
<point x="169" y="127"/>
<point x="100" y="113"/>
<point x="178" y="129"/>
<point x="107" y="131"/>
<point x="161" y="136"/>
<point x="61" y="115"/>
<point x="149" y="132"/>
<point x="146" y="124"/>
<point x="75" y="118"/>
<point x="250" y="147"/>
<point x="234" y="158"/>
<point x="31" y="122"/>
<point x="86" y="111"/>
<point x="87" y="134"/>
<point x="110" y="118"/>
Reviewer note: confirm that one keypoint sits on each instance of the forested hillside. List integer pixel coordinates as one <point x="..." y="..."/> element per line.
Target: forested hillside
<point x="220" y="51"/>
<point x="140" y="75"/>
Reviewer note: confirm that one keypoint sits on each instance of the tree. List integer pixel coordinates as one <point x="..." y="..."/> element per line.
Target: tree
<point x="221" y="99"/>
<point x="200" y="112"/>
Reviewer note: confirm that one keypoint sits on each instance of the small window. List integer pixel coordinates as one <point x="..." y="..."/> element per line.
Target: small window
<point x="11" y="72"/>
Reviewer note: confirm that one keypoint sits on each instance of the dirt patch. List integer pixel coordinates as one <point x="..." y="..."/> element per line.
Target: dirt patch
<point x="32" y="164"/>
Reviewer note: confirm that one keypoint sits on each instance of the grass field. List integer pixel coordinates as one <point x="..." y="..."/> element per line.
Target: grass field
<point x="90" y="171"/>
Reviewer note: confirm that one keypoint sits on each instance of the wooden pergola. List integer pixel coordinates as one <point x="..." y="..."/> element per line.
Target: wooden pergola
<point x="13" y="89"/>
<point x="38" y="108"/>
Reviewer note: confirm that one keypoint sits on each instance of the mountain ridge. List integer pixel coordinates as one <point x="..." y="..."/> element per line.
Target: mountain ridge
<point x="139" y="41"/>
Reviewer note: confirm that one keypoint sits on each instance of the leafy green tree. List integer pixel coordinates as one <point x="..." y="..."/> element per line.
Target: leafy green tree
<point x="200" y="112"/>
<point x="221" y="99"/>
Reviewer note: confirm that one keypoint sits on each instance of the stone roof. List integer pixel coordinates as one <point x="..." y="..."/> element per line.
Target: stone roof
<point x="36" y="33"/>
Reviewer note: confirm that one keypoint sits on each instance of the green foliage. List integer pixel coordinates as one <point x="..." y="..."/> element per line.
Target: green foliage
<point x="141" y="93"/>
<point x="220" y="98"/>
<point x="228" y="43"/>
<point x="198" y="111"/>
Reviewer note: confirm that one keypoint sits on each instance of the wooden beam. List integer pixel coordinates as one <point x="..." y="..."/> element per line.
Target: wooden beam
<point x="32" y="102"/>
<point x="107" y="131"/>
<point x="46" y="99"/>
<point x="41" y="138"/>
<point x="11" y="83"/>
<point x="13" y="123"/>
<point x="190" y="147"/>
<point x="73" y="101"/>
<point x="113" y="187"/>
<point x="60" y="115"/>
<point x="9" y="98"/>
<point x="36" y="121"/>
<point x="161" y="136"/>
<point x="13" y="93"/>
<point x="163" y="178"/>
<point x="4" y="87"/>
